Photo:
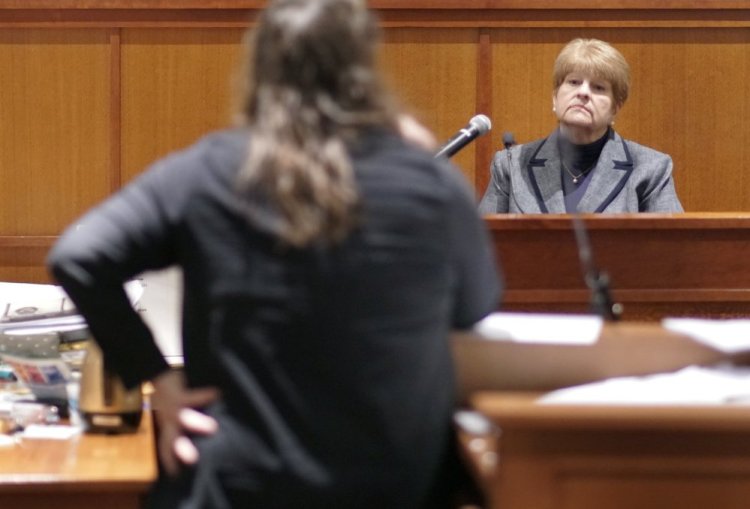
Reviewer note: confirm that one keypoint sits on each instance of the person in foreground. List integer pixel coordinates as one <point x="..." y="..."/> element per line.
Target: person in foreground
<point x="584" y="165"/>
<point x="325" y="260"/>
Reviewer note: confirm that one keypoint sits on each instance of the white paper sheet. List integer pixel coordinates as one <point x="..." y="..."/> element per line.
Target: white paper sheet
<point x="728" y="336"/>
<point x="692" y="385"/>
<point x="50" y="432"/>
<point x="541" y="328"/>
<point x="161" y="309"/>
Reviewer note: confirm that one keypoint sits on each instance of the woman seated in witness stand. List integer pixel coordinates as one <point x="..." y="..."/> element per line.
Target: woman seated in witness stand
<point x="584" y="165"/>
<point x="325" y="258"/>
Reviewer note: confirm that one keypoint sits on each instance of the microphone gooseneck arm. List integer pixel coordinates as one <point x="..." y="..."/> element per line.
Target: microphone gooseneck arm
<point x="597" y="281"/>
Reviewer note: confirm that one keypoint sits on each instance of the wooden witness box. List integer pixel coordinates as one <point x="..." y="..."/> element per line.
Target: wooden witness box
<point x="692" y="264"/>
<point x="89" y="471"/>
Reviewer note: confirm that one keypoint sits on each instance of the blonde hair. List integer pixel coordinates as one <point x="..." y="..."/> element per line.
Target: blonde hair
<point x="597" y="58"/>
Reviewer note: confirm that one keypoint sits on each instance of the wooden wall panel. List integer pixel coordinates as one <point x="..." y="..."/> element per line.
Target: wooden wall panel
<point x="24" y="264"/>
<point x="177" y="85"/>
<point x="434" y="71"/>
<point x="688" y="98"/>
<point x="96" y="90"/>
<point x="54" y="127"/>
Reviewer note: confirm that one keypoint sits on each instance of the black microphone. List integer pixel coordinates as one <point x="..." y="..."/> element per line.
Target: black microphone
<point x="508" y="140"/>
<point x="477" y="126"/>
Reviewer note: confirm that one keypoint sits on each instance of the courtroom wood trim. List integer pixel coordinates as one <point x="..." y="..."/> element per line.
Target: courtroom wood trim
<point x="11" y="241"/>
<point x="640" y="221"/>
<point x="383" y="4"/>
<point x="554" y="17"/>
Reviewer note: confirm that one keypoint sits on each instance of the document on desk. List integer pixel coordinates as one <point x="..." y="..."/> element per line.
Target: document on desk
<point x="29" y="305"/>
<point x="560" y="329"/>
<point x="692" y="385"/>
<point x="728" y="336"/>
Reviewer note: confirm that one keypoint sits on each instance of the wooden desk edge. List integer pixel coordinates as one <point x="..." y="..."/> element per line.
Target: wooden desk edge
<point x="521" y="410"/>
<point x="136" y="481"/>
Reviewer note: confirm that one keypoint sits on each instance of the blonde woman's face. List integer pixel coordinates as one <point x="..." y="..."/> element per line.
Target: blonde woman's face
<point x="584" y="105"/>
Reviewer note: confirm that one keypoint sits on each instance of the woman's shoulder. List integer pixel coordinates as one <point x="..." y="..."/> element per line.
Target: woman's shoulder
<point x="221" y="144"/>
<point x="642" y="153"/>
<point x="192" y="170"/>
<point x="520" y="152"/>
<point x="217" y="150"/>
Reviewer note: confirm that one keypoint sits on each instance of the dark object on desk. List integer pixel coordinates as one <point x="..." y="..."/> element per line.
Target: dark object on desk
<point x="105" y="405"/>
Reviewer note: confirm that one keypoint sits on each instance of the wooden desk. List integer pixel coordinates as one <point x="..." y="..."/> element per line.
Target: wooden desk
<point x="659" y="265"/>
<point x="595" y="457"/>
<point x="92" y="471"/>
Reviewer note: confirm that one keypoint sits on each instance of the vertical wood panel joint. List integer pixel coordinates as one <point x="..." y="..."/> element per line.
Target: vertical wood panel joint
<point x="484" y="147"/>
<point x="115" y="107"/>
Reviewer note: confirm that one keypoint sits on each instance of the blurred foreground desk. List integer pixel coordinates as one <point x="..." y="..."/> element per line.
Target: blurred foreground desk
<point x="92" y="471"/>
<point x="693" y="264"/>
<point x="616" y="457"/>
<point x="546" y="456"/>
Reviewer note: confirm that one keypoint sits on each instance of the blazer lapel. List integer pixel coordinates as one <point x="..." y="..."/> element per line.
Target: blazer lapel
<point x="543" y="172"/>
<point x="610" y="175"/>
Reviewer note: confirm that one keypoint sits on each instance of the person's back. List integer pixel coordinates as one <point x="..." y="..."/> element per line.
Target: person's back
<point x="333" y="362"/>
<point x="325" y="261"/>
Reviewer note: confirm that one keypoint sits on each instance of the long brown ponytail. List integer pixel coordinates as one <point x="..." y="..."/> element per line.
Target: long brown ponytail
<point x="314" y="87"/>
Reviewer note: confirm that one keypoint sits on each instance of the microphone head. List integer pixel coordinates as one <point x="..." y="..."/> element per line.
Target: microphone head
<point x="508" y="140"/>
<point x="481" y="123"/>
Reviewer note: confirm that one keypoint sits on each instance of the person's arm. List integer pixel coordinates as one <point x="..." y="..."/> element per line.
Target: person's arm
<point x="126" y="235"/>
<point x="661" y="196"/>
<point x="497" y="195"/>
<point x="122" y="237"/>
<point x="174" y="407"/>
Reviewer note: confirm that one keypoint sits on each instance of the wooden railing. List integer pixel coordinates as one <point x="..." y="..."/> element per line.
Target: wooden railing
<point x="658" y="265"/>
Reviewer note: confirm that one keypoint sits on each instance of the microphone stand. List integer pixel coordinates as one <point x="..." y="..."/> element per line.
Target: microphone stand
<point x="596" y="280"/>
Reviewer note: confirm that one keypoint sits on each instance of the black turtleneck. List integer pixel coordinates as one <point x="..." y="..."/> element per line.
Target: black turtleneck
<point x="579" y="161"/>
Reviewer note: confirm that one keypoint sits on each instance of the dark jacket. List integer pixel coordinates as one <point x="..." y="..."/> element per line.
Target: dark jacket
<point x="333" y="363"/>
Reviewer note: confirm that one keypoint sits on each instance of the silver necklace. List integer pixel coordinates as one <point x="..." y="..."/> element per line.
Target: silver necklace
<point x="572" y="175"/>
